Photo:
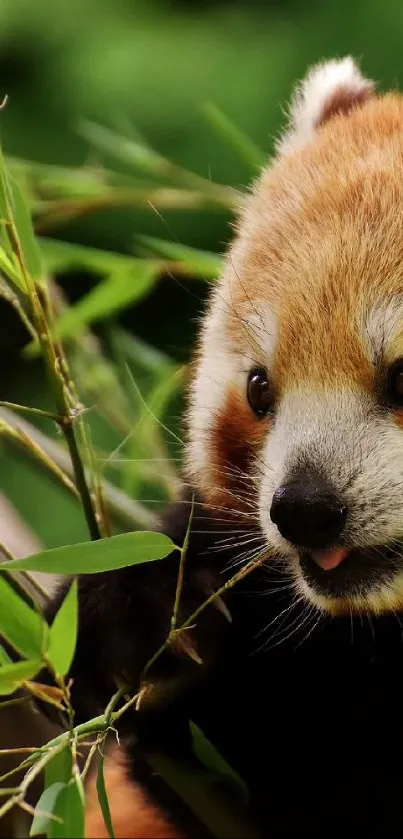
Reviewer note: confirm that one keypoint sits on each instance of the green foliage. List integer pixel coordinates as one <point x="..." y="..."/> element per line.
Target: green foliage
<point x="116" y="292"/>
<point x="121" y="281"/>
<point x="207" y="755"/>
<point x="94" y="557"/>
<point x="63" y="633"/>
<point x="94" y="278"/>
<point x="103" y="798"/>
<point x="20" y="625"/>
<point x="13" y="675"/>
<point x="60" y="810"/>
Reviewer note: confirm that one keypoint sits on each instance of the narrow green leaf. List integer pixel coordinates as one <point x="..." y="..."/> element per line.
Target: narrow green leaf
<point x="205" y="264"/>
<point x="92" y="557"/>
<point x="127" y="347"/>
<point x="69" y="808"/>
<point x="63" y="797"/>
<point x="233" y="135"/>
<point x="59" y="768"/>
<point x="103" y="798"/>
<point x="73" y="804"/>
<point x="137" y="154"/>
<point x="63" y="633"/>
<point x="10" y="271"/>
<point x="196" y="786"/>
<point x="127" y="151"/>
<point x="213" y="761"/>
<point x="63" y="256"/>
<point x="4" y="657"/>
<point x="42" y="822"/>
<point x="23" y="223"/>
<point x="109" y="296"/>
<point x="6" y="200"/>
<point x="23" y="628"/>
<point x="11" y="675"/>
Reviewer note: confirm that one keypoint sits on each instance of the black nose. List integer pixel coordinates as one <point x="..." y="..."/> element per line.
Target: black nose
<point x="307" y="511"/>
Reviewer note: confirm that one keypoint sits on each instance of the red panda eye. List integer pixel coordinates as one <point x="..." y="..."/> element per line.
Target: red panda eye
<point x="395" y="384"/>
<point x="260" y="392"/>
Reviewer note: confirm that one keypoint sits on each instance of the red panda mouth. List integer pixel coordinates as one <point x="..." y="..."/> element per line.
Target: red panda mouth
<point x="329" y="559"/>
<point x="340" y="572"/>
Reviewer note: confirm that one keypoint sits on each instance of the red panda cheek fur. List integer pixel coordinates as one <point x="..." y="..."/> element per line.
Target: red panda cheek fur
<point x="236" y="437"/>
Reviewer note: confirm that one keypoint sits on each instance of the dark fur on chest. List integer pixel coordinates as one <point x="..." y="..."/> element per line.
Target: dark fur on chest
<point x="314" y="727"/>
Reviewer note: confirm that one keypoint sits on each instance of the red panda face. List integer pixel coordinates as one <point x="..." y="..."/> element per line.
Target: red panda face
<point x="297" y="403"/>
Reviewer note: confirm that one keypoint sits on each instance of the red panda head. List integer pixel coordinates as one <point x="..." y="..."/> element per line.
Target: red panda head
<point x="297" y="400"/>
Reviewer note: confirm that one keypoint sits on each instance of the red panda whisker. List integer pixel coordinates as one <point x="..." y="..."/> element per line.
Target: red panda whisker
<point x="242" y="513"/>
<point x="281" y="587"/>
<point x="319" y="618"/>
<point x="241" y="559"/>
<point x="282" y="616"/>
<point x="241" y="538"/>
<point x="247" y="539"/>
<point x="294" y="626"/>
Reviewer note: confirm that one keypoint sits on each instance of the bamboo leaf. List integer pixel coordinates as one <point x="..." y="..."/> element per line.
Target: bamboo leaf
<point x="11" y="675"/>
<point x="23" y="628"/>
<point x="46" y="808"/>
<point x="10" y="271"/>
<point x="59" y="813"/>
<point x="4" y="657"/>
<point x="93" y="557"/>
<point x="23" y="223"/>
<point x="63" y="798"/>
<point x="59" y="769"/>
<point x="196" y="786"/>
<point x="240" y="142"/>
<point x="213" y="761"/>
<point x="63" y="256"/>
<point x="103" y="799"/>
<point x="205" y="264"/>
<point x="110" y="296"/>
<point x="133" y="153"/>
<point x="125" y="150"/>
<point x="63" y="633"/>
<point x="70" y="808"/>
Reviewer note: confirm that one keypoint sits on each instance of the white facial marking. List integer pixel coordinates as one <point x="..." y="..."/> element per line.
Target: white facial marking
<point x="381" y="324"/>
<point x="222" y="369"/>
<point x="359" y="450"/>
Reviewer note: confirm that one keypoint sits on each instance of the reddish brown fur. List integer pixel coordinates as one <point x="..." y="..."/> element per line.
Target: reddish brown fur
<point x="236" y="439"/>
<point x="324" y="217"/>
<point x="343" y="100"/>
<point x="133" y="815"/>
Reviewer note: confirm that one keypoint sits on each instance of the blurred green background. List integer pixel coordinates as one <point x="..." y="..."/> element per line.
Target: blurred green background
<point x="146" y="70"/>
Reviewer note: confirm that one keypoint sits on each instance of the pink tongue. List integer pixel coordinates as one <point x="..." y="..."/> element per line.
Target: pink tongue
<point x="329" y="559"/>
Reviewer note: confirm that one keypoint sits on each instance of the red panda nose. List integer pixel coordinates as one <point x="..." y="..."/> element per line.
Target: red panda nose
<point x="307" y="511"/>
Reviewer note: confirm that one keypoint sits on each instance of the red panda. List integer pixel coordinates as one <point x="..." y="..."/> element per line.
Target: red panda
<point x="295" y="453"/>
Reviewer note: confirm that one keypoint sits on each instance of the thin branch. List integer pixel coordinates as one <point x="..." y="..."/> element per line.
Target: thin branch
<point x="180" y="580"/>
<point x="18" y="434"/>
<point x="247" y="569"/>
<point x="27" y="410"/>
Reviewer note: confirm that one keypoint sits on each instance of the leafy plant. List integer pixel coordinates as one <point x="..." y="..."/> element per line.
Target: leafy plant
<point x="78" y="368"/>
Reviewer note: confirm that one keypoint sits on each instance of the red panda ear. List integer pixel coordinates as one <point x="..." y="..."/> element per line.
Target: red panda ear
<point x="328" y="89"/>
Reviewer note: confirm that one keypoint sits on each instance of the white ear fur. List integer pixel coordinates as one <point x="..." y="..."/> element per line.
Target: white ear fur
<point x="329" y="88"/>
